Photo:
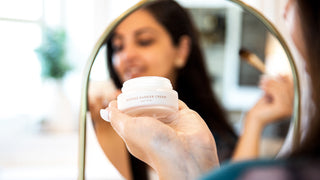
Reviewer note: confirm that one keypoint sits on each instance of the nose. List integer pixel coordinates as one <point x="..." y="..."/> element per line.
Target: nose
<point x="129" y="53"/>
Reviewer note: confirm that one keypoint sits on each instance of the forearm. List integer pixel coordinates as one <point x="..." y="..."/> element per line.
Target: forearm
<point x="180" y="170"/>
<point x="184" y="164"/>
<point x="113" y="147"/>
<point x="249" y="142"/>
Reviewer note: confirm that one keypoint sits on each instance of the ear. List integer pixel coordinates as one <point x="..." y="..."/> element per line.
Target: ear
<point x="183" y="52"/>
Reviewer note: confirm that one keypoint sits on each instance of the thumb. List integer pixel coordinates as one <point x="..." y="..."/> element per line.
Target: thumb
<point x="117" y="118"/>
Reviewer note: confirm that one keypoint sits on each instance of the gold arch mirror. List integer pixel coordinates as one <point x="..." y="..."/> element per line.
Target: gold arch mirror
<point x="225" y="27"/>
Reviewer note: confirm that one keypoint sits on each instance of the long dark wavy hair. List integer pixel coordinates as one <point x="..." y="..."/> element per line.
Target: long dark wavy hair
<point x="193" y="83"/>
<point x="309" y="13"/>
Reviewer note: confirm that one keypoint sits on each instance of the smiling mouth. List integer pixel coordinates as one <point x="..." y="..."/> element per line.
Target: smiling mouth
<point x="133" y="72"/>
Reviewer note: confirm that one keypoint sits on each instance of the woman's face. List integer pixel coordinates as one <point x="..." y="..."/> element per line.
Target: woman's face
<point x="143" y="47"/>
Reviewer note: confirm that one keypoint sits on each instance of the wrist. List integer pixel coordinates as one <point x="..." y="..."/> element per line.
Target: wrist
<point x="181" y="164"/>
<point x="175" y="165"/>
<point x="174" y="162"/>
<point x="253" y="124"/>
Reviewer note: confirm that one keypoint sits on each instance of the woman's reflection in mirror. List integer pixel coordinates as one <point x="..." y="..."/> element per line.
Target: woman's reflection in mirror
<point x="160" y="40"/>
<point x="303" y="162"/>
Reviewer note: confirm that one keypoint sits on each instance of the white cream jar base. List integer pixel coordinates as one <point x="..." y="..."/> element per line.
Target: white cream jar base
<point x="158" y="112"/>
<point x="148" y="96"/>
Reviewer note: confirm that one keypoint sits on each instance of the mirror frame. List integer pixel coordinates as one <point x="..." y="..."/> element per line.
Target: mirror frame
<point x="295" y="123"/>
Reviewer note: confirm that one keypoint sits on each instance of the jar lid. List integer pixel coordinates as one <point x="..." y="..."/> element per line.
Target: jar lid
<point x="146" y="83"/>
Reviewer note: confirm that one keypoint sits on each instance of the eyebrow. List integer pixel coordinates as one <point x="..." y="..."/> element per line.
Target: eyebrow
<point x="137" y="32"/>
<point x="145" y="30"/>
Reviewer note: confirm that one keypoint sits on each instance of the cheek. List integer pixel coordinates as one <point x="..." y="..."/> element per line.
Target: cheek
<point x="117" y="64"/>
<point x="115" y="61"/>
<point x="162" y="64"/>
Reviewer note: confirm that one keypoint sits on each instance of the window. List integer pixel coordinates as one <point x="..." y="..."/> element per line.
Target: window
<point x="26" y="152"/>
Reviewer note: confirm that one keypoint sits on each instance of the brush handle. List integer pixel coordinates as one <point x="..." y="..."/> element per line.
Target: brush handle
<point x="254" y="61"/>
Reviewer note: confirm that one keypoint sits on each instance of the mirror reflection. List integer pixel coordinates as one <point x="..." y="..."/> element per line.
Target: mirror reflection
<point x="197" y="49"/>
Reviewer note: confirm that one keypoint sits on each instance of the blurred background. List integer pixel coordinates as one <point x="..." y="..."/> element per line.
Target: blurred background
<point x="40" y="100"/>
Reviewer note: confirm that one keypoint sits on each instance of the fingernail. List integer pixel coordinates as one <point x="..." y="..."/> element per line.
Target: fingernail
<point x="104" y="115"/>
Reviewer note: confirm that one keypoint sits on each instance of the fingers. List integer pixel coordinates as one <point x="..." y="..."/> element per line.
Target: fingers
<point x="267" y="82"/>
<point x="278" y="92"/>
<point x="104" y="115"/>
<point x="275" y="84"/>
<point x="182" y="105"/>
<point x="113" y="104"/>
<point x="117" y="92"/>
<point x="117" y="118"/>
<point x="275" y="88"/>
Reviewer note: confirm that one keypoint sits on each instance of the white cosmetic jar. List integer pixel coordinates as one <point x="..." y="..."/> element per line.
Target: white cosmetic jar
<point x="148" y="96"/>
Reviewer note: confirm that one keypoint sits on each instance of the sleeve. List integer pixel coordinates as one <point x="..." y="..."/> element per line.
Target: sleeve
<point x="233" y="171"/>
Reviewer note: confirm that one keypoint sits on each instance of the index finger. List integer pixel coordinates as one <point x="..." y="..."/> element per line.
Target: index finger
<point x="182" y="105"/>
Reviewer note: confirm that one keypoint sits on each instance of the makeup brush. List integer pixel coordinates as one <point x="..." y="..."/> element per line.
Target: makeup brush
<point x="252" y="59"/>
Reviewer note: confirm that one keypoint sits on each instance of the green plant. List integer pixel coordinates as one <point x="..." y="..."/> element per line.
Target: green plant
<point x="51" y="54"/>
